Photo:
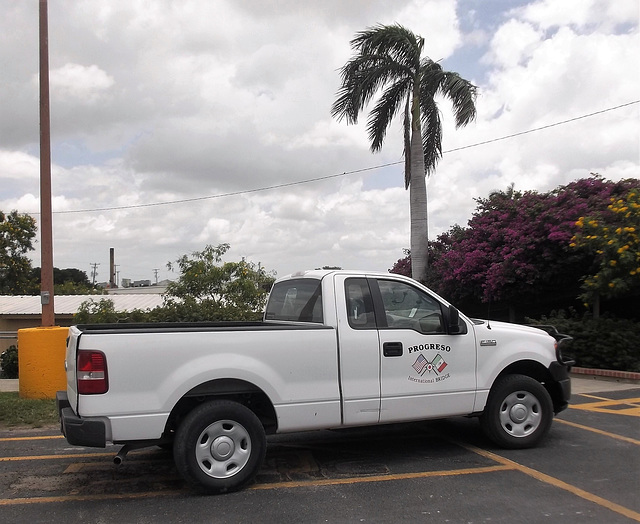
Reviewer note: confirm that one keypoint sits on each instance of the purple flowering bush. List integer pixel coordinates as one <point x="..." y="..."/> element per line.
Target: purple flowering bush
<point x="517" y="247"/>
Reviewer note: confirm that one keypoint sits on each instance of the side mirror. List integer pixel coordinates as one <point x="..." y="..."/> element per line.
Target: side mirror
<point x="454" y="321"/>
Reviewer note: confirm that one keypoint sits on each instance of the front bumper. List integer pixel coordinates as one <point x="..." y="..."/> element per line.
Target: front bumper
<point x="78" y="431"/>
<point x="560" y="373"/>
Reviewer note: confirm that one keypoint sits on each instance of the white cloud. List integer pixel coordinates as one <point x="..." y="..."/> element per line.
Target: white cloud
<point x="582" y="14"/>
<point x="513" y="44"/>
<point x="81" y="84"/>
<point x="169" y="101"/>
<point x="18" y="165"/>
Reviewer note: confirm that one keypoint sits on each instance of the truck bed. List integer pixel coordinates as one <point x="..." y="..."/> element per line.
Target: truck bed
<point x="186" y="327"/>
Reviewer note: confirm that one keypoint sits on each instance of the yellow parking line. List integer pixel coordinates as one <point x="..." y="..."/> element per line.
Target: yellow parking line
<point x="503" y="464"/>
<point x="57" y="457"/>
<point x="616" y="407"/>
<point x="380" y="478"/>
<point x="587" y="395"/>
<point x="610" y="402"/>
<point x="74" y="498"/>
<point x="599" y="431"/>
<point x="272" y="485"/>
<point x="548" y="479"/>
<point x="632" y="412"/>
<point x="16" y="439"/>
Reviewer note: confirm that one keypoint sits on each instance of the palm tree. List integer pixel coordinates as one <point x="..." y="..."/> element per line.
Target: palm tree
<point x="387" y="62"/>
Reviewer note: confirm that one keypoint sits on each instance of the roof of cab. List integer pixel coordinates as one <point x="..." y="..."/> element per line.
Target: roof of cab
<point x="322" y="273"/>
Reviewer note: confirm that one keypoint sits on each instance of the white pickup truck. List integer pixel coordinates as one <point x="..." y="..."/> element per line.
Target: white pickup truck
<point x="336" y="349"/>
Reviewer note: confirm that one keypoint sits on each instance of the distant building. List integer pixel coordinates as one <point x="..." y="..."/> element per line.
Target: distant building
<point x="146" y="289"/>
<point x="25" y="311"/>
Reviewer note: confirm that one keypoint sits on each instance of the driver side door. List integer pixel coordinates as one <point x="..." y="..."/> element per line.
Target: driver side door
<point x="425" y="372"/>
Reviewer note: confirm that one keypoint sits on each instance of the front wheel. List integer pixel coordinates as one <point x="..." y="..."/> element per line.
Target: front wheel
<point x="518" y="413"/>
<point x="220" y="446"/>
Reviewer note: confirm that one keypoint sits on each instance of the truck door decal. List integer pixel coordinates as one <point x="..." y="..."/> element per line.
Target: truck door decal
<point x="435" y="366"/>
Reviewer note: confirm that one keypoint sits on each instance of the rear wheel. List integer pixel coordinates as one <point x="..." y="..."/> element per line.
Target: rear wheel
<point x="518" y="413"/>
<point x="220" y="446"/>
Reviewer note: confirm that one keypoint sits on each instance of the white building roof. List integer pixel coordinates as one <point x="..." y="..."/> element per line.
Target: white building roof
<point x="69" y="304"/>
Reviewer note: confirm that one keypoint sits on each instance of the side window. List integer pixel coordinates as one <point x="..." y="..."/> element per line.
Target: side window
<point x="407" y="307"/>
<point x="359" y="304"/>
<point x="296" y="300"/>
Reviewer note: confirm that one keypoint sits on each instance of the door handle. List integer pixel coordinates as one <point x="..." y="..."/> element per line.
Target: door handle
<point x="392" y="349"/>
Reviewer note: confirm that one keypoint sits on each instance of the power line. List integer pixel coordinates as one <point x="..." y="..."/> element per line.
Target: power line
<point x="337" y="175"/>
<point x="233" y="193"/>
<point x="542" y="127"/>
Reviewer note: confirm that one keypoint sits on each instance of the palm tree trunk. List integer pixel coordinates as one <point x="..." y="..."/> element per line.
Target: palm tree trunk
<point x="418" y="208"/>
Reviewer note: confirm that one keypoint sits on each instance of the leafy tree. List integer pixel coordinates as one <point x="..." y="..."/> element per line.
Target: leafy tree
<point x="70" y="274"/>
<point x="516" y="248"/>
<point x="68" y="287"/>
<point x="16" y="235"/>
<point x="103" y="311"/>
<point x="207" y="289"/>
<point x="437" y="249"/>
<point x="100" y="312"/>
<point x="613" y="237"/>
<point x="69" y="281"/>
<point x="403" y="265"/>
<point x="388" y="61"/>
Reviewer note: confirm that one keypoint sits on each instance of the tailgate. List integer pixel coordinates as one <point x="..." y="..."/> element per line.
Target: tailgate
<point x="70" y="367"/>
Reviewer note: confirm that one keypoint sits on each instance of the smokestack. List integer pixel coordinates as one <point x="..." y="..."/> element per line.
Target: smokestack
<point x="112" y="268"/>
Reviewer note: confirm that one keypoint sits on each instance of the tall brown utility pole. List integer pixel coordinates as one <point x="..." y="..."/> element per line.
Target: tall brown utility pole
<point x="46" y="229"/>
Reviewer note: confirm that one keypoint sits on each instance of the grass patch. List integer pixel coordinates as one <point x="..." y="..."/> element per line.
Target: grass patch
<point x="36" y="413"/>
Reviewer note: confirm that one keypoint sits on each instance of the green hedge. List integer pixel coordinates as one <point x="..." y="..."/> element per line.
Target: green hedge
<point x="604" y="343"/>
<point x="9" y="362"/>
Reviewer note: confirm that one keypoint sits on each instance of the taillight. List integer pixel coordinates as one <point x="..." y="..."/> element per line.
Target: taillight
<point x="92" y="372"/>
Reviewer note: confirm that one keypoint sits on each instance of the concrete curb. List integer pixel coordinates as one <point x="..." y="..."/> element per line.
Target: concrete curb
<point x="9" y="385"/>
<point x="606" y="374"/>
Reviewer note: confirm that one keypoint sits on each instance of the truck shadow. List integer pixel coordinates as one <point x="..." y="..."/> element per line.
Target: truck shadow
<point x="372" y="451"/>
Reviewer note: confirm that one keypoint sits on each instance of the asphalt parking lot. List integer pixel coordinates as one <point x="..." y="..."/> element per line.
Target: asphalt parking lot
<point x="588" y="470"/>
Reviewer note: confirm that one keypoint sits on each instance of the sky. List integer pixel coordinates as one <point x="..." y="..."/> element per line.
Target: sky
<point x="178" y="124"/>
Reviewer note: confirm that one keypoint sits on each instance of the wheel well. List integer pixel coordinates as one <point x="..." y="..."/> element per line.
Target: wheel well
<point x="235" y="390"/>
<point x="540" y="373"/>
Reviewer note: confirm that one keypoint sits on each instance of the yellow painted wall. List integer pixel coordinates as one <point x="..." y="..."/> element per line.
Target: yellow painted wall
<point x="41" y="353"/>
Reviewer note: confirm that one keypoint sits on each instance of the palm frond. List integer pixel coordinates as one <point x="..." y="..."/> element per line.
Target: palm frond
<point x="431" y="133"/>
<point x="462" y="94"/>
<point x="431" y="77"/>
<point x="396" y="41"/>
<point x="385" y="110"/>
<point x="362" y="77"/>
<point x="387" y="62"/>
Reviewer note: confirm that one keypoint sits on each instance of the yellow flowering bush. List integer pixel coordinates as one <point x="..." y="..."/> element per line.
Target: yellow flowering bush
<point x="615" y="241"/>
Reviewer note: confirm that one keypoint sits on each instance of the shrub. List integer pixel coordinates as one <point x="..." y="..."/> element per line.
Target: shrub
<point x="603" y="343"/>
<point x="9" y="362"/>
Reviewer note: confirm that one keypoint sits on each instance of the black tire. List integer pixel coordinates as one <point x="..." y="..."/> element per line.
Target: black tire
<point x="220" y="446"/>
<point x="518" y="413"/>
